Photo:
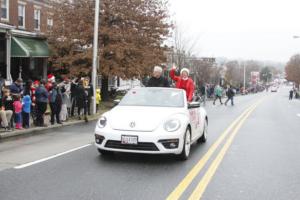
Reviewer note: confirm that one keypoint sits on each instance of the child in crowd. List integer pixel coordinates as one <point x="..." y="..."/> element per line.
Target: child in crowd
<point x="98" y="99"/>
<point x="18" y="112"/>
<point x="26" y="111"/>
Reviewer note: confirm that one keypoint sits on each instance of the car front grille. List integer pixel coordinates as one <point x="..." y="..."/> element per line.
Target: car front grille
<point x="143" y="146"/>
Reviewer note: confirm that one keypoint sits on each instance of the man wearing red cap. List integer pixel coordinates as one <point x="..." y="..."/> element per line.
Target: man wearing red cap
<point x="51" y="80"/>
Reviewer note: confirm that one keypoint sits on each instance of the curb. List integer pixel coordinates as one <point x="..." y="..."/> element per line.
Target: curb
<point x="39" y="130"/>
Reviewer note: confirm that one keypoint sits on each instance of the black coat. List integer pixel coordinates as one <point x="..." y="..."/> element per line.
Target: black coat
<point x="81" y="96"/>
<point x="158" y="82"/>
<point x="230" y="92"/>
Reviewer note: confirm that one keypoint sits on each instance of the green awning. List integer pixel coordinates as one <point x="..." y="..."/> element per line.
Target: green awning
<point x="29" y="47"/>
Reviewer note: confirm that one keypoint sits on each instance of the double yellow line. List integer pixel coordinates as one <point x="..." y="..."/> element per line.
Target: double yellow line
<point x="200" y="189"/>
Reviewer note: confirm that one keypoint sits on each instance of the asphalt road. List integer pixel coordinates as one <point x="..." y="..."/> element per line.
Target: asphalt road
<point x="258" y="158"/>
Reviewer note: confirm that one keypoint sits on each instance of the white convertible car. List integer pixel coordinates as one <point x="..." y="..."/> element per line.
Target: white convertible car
<point x="152" y="121"/>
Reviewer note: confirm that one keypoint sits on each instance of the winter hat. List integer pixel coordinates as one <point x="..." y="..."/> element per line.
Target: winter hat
<point x="26" y="99"/>
<point x="51" y="78"/>
<point x="157" y="69"/>
<point x="185" y="70"/>
<point x="36" y="83"/>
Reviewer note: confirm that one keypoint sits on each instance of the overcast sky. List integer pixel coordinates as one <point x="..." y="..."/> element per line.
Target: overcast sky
<point x="243" y="29"/>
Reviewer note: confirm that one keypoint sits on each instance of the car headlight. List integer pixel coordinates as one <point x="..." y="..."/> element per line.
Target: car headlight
<point x="102" y="122"/>
<point x="172" y="125"/>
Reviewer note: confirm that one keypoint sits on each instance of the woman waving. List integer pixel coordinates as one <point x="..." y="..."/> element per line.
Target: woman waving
<point x="184" y="82"/>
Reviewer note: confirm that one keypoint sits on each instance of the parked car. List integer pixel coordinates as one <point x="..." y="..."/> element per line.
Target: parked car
<point x="152" y="121"/>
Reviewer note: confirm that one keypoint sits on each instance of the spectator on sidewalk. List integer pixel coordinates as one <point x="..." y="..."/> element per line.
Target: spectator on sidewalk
<point x="2" y="83"/>
<point x="98" y="99"/>
<point x="81" y="101"/>
<point x="51" y="80"/>
<point x="66" y="84"/>
<point x="55" y="100"/>
<point x="74" y="86"/>
<point x="33" y="100"/>
<point x="27" y="88"/>
<point x="6" y="112"/>
<point x="16" y="88"/>
<point x="218" y="94"/>
<point x="18" y="112"/>
<point x="157" y="80"/>
<point x="41" y="95"/>
<point x="65" y="101"/>
<point x="26" y="111"/>
<point x="89" y="92"/>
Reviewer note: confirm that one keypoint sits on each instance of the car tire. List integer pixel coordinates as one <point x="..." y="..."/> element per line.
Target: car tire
<point x="184" y="155"/>
<point x="203" y="138"/>
<point x="104" y="152"/>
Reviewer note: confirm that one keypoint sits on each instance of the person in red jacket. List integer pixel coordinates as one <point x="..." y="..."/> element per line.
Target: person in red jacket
<point x="184" y="82"/>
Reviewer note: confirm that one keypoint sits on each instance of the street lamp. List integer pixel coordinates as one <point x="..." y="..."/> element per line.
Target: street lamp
<point x="95" y="53"/>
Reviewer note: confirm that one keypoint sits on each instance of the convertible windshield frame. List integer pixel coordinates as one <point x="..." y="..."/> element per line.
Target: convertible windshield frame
<point x="146" y="94"/>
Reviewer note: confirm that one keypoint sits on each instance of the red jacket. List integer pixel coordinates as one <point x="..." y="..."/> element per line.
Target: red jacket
<point x="187" y="85"/>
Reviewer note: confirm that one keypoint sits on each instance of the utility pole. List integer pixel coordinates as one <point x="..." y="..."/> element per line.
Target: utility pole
<point x="244" y="78"/>
<point x="95" y="53"/>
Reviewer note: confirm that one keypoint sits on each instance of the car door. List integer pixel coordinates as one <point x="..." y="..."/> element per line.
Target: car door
<point x="195" y="119"/>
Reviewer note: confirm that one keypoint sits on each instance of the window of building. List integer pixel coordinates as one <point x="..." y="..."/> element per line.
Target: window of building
<point x="50" y="23"/>
<point x="5" y="9"/>
<point x="21" y="16"/>
<point x="37" y="19"/>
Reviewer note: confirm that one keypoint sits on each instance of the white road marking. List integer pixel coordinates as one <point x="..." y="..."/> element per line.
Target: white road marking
<point x="50" y="157"/>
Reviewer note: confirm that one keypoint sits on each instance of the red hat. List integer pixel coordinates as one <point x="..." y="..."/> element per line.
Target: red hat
<point x="36" y="82"/>
<point x="51" y="77"/>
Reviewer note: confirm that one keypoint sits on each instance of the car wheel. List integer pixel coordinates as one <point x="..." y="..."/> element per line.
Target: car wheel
<point x="104" y="152"/>
<point x="186" y="146"/>
<point x="203" y="138"/>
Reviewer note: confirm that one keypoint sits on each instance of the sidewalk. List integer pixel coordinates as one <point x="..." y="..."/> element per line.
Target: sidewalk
<point x="4" y="135"/>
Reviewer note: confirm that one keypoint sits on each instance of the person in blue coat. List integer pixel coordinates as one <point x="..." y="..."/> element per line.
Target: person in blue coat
<point x="26" y="111"/>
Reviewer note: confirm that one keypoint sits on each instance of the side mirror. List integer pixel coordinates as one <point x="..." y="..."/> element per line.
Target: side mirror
<point x="117" y="101"/>
<point x="193" y="105"/>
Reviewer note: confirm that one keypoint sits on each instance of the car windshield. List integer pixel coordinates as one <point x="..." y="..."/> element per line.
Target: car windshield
<point x="153" y="97"/>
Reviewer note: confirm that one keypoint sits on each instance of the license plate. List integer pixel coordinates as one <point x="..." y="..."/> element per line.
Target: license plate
<point x="129" y="139"/>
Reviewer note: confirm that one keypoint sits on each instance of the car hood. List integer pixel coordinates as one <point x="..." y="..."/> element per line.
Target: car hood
<point x="146" y="119"/>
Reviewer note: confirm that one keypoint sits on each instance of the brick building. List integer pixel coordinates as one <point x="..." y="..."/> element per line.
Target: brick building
<point x="23" y="46"/>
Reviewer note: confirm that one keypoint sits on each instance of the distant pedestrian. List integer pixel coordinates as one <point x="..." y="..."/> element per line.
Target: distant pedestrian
<point x="157" y="80"/>
<point x="203" y="93"/>
<point x="18" y="112"/>
<point x="291" y="94"/>
<point x="230" y="95"/>
<point x="41" y="95"/>
<point x="26" y="111"/>
<point x="218" y="94"/>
